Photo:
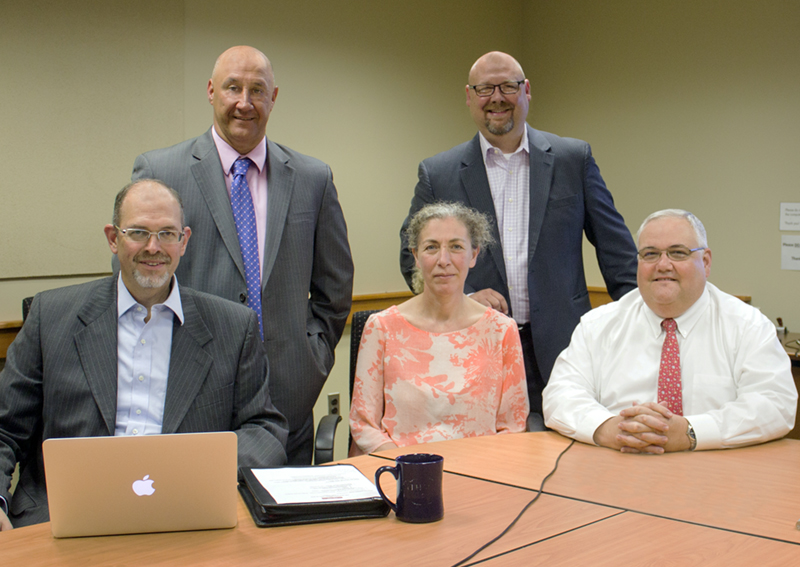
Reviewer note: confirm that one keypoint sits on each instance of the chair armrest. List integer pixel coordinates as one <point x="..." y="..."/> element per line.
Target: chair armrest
<point x="323" y="444"/>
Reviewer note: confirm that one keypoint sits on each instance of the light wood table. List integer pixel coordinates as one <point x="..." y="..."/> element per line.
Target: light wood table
<point x="753" y="490"/>
<point x="735" y="507"/>
<point x="522" y="459"/>
<point x="635" y="539"/>
<point x="475" y="511"/>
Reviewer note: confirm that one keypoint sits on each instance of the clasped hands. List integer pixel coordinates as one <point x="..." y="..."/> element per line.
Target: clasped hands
<point x="644" y="428"/>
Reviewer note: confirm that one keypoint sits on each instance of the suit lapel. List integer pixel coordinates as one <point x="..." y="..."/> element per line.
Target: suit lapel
<point x="280" y="184"/>
<point x="541" y="182"/>
<point x="97" y="349"/>
<point x="208" y="174"/>
<point x="189" y="364"/>
<point x="479" y="195"/>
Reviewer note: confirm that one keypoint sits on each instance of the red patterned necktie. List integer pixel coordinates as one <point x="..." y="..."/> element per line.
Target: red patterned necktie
<point x="669" y="374"/>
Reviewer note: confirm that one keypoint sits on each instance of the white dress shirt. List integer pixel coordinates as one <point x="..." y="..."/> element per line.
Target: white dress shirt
<point x="509" y="180"/>
<point x="737" y="381"/>
<point x="143" y="353"/>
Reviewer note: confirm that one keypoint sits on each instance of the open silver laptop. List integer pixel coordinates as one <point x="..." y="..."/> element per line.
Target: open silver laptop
<point x="152" y="483"/>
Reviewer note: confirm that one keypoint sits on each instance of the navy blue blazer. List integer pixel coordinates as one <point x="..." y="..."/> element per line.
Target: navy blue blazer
<point x="568" y="198"/>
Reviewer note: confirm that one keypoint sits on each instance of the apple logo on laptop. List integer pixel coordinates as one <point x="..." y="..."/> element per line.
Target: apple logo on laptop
<point x="144" y="487"/>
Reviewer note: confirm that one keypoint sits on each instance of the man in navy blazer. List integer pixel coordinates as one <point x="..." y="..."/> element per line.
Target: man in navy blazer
<point x="543" y="192"/>
<point x="306" y="267"/>
<point x="134" y="354"/>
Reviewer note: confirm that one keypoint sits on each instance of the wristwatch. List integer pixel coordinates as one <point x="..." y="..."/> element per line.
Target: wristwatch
<point x="692" y="437"/>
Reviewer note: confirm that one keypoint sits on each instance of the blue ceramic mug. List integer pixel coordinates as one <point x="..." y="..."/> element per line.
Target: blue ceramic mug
<point x="419" y="487"/>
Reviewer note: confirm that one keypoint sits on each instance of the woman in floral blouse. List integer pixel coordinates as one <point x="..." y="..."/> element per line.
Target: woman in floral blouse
<point x="441" y="365"/>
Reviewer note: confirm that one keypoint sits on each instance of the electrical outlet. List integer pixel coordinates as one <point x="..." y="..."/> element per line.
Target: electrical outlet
<point x="333" y="404"/>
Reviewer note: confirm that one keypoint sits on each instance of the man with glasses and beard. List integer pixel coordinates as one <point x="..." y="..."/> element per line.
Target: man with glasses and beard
<point x="544" y="193"/>
<point x="135" y="354"/>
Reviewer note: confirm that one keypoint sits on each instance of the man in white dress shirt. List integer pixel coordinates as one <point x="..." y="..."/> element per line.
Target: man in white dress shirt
<point x="612" y="386"/>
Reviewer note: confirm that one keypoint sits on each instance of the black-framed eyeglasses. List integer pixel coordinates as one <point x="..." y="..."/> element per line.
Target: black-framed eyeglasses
<point x="507" y="88"/>
<point x="674" y="253"/>
<point x="142" y="235"/>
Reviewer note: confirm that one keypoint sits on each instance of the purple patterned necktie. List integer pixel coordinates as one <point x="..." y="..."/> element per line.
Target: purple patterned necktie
<point x="245" y="217"/>
<point x="670" y="389"/>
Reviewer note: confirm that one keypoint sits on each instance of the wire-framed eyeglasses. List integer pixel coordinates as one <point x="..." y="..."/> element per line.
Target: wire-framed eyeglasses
<point x="675" y="253"/>
<point x="507" y="88"/>
<point x="142" y="235"/>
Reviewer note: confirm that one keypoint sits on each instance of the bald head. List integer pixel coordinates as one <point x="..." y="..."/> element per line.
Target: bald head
<point x="493" y="60"/>
<point x="241" y="53"/>
<point x="242" y="91"/>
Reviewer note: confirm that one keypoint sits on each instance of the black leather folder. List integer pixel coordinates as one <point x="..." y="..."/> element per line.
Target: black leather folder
<point x="267" y="512"/>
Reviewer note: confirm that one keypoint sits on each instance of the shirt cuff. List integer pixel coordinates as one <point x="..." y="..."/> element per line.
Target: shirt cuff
<point x="4" y="505"/>
<point x="706" y="430"/>
<point x="590" y="423"/>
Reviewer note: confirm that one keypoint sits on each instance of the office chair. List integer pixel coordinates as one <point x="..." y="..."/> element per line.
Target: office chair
<point x="326" y="430"/>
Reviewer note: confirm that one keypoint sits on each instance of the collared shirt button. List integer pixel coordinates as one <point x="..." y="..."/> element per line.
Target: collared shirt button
<point x="138" y="412"/>
<point x="141" y="378"/>
<point x="143" y="341"/>
<point x="135" y="432"/>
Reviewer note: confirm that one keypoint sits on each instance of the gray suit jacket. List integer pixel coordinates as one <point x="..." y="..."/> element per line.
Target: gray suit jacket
<point x="307" y="276"/>
<point x="60" y="380"/>
<point x="568" y="199"/>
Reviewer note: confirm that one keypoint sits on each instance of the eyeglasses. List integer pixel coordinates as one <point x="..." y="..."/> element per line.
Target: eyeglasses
<point x="507" y="88"/>
<point x="141" y="235"/>
<point x="674" y="253"/>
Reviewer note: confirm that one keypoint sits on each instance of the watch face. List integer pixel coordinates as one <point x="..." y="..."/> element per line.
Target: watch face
<point x="692" y="437"/>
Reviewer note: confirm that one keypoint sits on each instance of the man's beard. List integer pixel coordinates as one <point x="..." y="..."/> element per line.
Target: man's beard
<point x="506" y="127"/>
<point x="500" y="129"/>
<point x="154" y="281"/>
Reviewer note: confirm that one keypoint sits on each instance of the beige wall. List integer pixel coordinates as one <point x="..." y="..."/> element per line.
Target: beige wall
<point x="691" y="104"/>
<point x="369" y="87"/>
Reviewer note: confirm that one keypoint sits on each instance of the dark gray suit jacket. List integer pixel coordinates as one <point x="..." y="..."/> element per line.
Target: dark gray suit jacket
<point x="568" y="199"/>
<point x="307" y="276"/>
<point x="60" y="380"/>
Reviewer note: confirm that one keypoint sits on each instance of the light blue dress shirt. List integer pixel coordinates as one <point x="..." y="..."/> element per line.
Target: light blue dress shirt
<point x="143" y="353"/>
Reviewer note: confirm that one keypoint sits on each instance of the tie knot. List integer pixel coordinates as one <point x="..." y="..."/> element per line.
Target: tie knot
<point x="669" y="325"/>
<point x="241" y="165"/>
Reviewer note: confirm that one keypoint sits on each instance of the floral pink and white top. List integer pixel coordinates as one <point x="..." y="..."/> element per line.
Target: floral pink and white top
<point x="412" y="386"/>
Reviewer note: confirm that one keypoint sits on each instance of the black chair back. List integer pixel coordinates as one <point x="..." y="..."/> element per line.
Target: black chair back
<point x="356" y="330"/>
<point x="326" y="429"/>
<point x="26" y="307"/>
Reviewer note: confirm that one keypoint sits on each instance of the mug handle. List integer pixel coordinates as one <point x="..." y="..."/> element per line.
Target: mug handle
<point x="378" y="473"/>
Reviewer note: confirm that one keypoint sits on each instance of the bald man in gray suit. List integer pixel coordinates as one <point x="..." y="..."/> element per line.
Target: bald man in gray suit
<point x="306" y="269"/>
<point x="80" y="365"/>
